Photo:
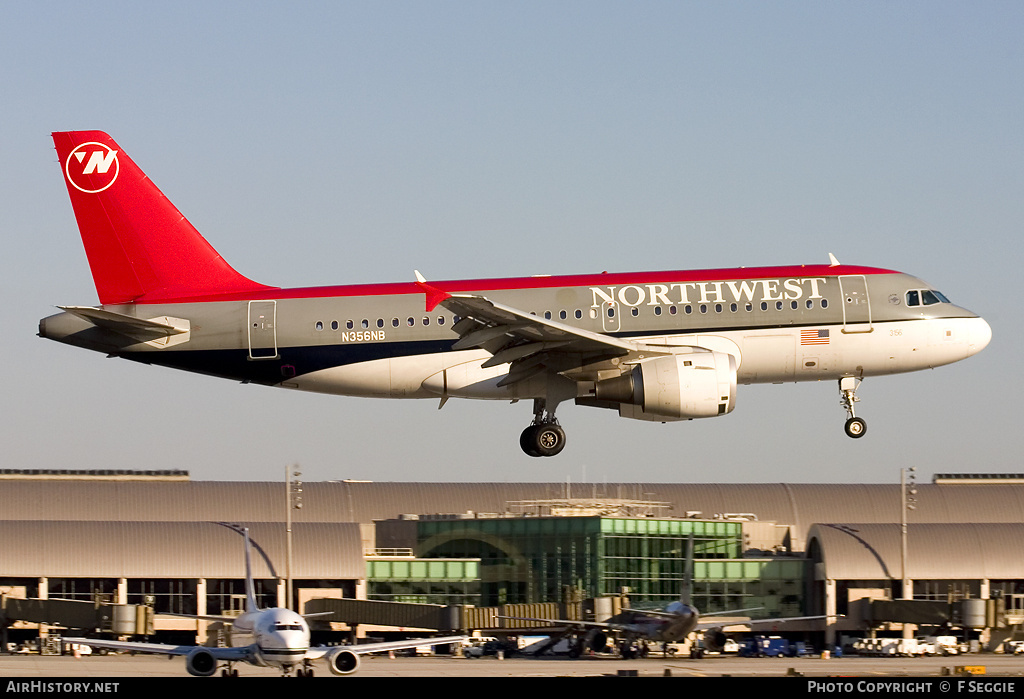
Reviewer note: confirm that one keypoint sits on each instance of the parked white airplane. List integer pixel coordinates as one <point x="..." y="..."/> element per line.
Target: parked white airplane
<point x="274" y="637"/>
<point x="658" y="346"/>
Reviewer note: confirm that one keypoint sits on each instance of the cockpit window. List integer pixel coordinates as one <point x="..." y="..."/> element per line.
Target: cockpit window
<point x="282" y="626"/>
<point x="925" y="297"/>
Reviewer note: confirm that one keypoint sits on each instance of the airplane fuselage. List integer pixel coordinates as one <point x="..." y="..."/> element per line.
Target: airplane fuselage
<point x="782" y="324"/>
<point x="280" y="637"/>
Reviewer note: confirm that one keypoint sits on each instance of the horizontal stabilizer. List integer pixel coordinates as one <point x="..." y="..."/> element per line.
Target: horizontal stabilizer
<point x="161" y="332"/>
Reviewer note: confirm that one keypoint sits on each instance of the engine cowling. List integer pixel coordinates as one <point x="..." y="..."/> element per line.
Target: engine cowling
<point x="714" y="640"/>
<point x="674" y="387"/>
<point x="200" y="663"/>
<point x="597" y="641"/>
<point x="342" y="662"/>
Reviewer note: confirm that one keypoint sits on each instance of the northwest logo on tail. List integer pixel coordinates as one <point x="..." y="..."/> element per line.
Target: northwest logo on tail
<point x="91" y="167"/>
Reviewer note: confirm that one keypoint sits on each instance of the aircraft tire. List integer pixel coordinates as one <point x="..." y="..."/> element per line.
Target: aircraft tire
<point x="528" y="442"/>
<point x="856" y="427"/>
<point x="548" y="439"/>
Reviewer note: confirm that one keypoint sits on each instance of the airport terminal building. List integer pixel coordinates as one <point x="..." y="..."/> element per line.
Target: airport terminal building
<point x="158" y="539"/>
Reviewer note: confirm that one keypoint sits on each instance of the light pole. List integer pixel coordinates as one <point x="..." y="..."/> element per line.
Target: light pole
<point x="908" y="502"/>
<point x="293" y="501"/>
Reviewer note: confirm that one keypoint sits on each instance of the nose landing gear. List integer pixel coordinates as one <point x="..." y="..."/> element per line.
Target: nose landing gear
<point x="855" y="427"/>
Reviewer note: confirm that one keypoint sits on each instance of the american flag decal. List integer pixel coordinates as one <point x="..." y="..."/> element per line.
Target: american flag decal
<point x="814" y="337"/>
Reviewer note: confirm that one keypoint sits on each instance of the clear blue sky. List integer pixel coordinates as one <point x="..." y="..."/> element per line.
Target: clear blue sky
<point x="336" y="142"/>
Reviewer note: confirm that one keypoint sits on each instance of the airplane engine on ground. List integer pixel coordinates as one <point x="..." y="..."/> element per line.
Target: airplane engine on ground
<point x="597" y="641"/>
<point x="342" y="662"/>
<point x="675" y="387"/>
<point x="714" y="640"/>
<point x="201" y="663"/>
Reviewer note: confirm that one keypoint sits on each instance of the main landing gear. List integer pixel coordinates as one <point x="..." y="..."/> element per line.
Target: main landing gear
<point x="855" y="426"/>
<point x="545" y="437"/>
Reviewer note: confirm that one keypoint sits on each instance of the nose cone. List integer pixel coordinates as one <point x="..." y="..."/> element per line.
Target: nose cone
<point x="980" y="336"/>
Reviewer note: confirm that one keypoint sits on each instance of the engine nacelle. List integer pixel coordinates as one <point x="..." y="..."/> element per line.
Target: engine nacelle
<point x="200" y="663"/>
<point x="597" y="641"/>
<point x="714" y="640"/>
<point x="342" y="662"/>
<point x="676" y="387"/>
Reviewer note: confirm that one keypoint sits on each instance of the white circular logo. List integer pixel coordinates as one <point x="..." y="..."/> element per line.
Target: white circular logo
<point x="91" y="167"/>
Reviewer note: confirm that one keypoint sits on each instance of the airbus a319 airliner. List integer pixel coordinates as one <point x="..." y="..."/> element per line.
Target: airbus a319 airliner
<point x="658" y="346"/>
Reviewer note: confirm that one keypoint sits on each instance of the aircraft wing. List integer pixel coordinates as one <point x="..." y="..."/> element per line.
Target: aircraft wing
<point x="759" y="622"/>
<point x="610" y="626"/>
<point x="529" y="343"/>
<point x="232" y="654"/>
<point x="364" y="648"/>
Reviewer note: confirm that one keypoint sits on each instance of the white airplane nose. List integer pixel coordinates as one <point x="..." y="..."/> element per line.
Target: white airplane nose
<point x="980" y="336"/>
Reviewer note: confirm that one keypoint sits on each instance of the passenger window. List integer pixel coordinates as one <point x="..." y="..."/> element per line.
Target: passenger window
<point x="764" y="305"/>
<point x="671" y="310"/>
<point x="319" y="325"/>
<point x="657" y="310"/>
<point x="380" y="322"/>
<point x="395" y="322"/>
<point x="810" y="304"/>
<point x="365" y="323"/>
<point x="824" y="303"/>
<point x="579" y="314"/>
<point x="426" y="321"/>
<point x="440" y="320"/>
<point x="334" y="325"/>
<point x="778" y="305"/>
<point x="733" y="307"/>
<point x="794" y="305"/>
<point x="349" y="324"/>
<point x="562" y="315"/>
<point x="410" y="322"/>
<point x="635" y="311"/>
<point x="703" y="308"/>
<point x="547" y="315"/>
<point x="718" y="308"/>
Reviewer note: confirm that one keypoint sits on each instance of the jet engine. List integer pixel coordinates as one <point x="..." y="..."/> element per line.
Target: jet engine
<point x="674" y="387"/>
<point x="200" y="663"/>
<point x="342" y="661"/>
<point x="714" y="640"/>
<point x="597" y="641"/>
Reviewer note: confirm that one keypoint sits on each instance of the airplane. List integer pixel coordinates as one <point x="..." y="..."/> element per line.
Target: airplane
<point x="673" y="624"/>
<point x="274" y="637"/>
<point x="655" y="346"/>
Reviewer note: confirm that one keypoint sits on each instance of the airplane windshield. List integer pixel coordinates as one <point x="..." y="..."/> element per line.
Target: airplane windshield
<point x="925" y="297"/>
<point x="287" y="627"/>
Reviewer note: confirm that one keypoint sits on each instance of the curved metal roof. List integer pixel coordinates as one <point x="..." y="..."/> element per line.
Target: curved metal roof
<point x="175" y="550"/>
<point x="797" y="505"/>
<point x="934" y="551"/>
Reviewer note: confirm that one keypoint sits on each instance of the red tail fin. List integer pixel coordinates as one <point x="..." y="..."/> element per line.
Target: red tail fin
<point x="140" y="247"/>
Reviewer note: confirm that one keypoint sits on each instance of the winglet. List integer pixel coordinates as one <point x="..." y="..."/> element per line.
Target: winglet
<point x="832" y="261"/>
<point x="434" y="295"/>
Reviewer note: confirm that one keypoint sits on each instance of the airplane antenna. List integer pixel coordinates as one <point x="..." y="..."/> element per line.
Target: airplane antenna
<point x="832" y="261"/>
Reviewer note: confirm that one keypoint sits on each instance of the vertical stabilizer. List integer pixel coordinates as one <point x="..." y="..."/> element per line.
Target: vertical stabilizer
<point x="250" y="584"/>
<point x="140" y="247"/>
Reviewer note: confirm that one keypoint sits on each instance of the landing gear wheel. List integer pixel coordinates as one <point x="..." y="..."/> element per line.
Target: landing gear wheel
<point x="546" y="439"/>
<point x="856" y="427"/>
<point x="527" y="441"/>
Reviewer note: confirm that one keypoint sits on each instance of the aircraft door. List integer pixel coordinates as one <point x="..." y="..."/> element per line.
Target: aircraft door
<point x="856" y="304"/>
<point x="263" y="330"/>
<point x="610" y="316"/>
